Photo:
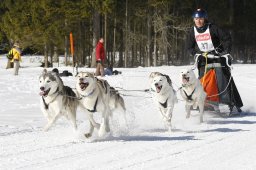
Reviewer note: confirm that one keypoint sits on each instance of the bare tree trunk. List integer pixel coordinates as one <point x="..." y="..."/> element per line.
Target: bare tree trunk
<point x="114" y="44"/>
<point x="66" y="47"/>
<point x="105" y="37"/>
<point x="45" y="56"/>
<point x="121" y="61"/>
<point x="133" y="48"/>
<point x="141" y="45"/>
<point x="55" y="54"/>
<point x="154" y="53"/>
<point x="149" y="37"/>
<point x="83" y="38"/>
<point x="126" y="35"/>
<point x="51" y="55"/>
<point x="96" y="35"/>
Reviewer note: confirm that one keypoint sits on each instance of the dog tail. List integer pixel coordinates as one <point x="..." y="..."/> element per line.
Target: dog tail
<point x="70" y="98"/>
<point x="120" y="103"/>
<point x="118" y="100"/>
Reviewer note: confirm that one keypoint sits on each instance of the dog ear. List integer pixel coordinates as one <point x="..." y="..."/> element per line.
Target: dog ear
<point x="77" y="74"/>
<point x="150" y="75"/>
<point x="168" y="79"/>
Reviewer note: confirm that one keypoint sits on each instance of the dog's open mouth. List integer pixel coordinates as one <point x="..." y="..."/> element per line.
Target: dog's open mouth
<point x="44" y="92"/>
<point x="83" y="86"/>
<point x="158" y="88"/>
<point x="185" y="79"/>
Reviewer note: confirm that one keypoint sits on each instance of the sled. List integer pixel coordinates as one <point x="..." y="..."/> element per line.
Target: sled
<point x="217" y="81"/>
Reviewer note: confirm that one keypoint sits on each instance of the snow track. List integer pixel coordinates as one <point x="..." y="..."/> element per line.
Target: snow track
<point x="60" y="148"/>
<point x="142" y="144"/>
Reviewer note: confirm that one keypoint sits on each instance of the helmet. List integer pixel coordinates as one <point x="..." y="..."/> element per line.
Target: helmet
<point x="200" y="13"/>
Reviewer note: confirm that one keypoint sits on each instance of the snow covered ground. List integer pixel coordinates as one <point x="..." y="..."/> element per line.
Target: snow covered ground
<point x="140" y="144"/>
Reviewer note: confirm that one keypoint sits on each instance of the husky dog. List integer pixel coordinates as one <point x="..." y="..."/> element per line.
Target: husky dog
<point x="192" y="92"/>
<point x="56" y="99"/>
<point x="163" y="94"/>
<point x="97" y="96"/>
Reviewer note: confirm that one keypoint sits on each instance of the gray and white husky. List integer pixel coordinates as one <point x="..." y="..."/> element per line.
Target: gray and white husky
<point x="56" y="99"/>
<point x="163" y="94"/>
<point x="97" y="96"/>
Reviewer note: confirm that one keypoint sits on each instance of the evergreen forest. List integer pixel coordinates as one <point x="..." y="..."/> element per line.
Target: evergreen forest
<point x="136" y="32"/>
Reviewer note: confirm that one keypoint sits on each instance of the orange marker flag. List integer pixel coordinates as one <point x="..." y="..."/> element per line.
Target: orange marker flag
<point x="71" y="44"/>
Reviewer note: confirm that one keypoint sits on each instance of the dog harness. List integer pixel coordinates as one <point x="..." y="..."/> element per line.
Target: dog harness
<point x="164" y="104"/>
<point x="189" y="97"/>
<point x="95" y="105"/>
<point x="88" y="94"/>
<point x="96" y="102"/>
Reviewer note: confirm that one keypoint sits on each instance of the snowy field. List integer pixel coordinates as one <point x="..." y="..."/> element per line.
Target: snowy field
<point x="142" y="143"/>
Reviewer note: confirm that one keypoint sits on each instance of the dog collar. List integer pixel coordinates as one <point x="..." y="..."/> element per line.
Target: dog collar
<point x="89" y="94"/>
<point x="186" y="85"/>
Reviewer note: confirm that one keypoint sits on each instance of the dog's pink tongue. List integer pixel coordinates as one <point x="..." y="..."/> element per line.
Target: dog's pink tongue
<point x="158" y="89"/>
<point x="184" y="81"/>
<point x="41" y="93"/>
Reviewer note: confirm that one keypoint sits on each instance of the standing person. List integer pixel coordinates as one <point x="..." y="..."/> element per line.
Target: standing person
<point x="16" y="52"/>
<point x="214" y="46"/>
<point x="100" y="58"/>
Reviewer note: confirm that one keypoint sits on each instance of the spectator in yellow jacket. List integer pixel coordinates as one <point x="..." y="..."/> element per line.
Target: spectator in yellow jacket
<point x="16" y="57"/>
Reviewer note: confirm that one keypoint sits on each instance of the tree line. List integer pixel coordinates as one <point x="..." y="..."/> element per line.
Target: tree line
<point x="136" y="33"/>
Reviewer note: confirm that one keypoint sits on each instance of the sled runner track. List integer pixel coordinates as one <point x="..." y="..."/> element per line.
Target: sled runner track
<point x="35" y="152"/>
<point x="19" y="132"/>
<point x="65" y="151"/>
<point x="168" y="154"/>
<point x="153" y="147"/>
<point x="67" y="155"/>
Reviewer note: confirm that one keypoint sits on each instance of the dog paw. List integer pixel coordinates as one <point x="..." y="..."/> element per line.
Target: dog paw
<point x="88" y="135"/>
<point x="97" y="126"/>
<point x="102" y="131"/>
<point x="107" y="129"/>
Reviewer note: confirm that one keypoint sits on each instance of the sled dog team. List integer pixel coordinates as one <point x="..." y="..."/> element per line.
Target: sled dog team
<point x="96" y="95"/>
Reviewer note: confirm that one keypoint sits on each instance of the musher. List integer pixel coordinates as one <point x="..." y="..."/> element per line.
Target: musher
<point x="211" y="47"/>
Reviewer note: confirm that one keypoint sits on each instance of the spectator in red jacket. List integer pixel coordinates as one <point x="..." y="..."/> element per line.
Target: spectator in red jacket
<point x="100" y="58"/>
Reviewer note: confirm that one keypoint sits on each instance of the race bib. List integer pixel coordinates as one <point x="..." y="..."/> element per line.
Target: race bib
<point x="204" y="40"/>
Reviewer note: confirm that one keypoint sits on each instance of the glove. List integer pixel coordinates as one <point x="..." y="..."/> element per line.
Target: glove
<point x="204" y="54"/>
<point x="221" y="51"/>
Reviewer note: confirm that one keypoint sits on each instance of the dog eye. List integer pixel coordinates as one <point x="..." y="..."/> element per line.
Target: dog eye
<point x="48" y="81"/>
